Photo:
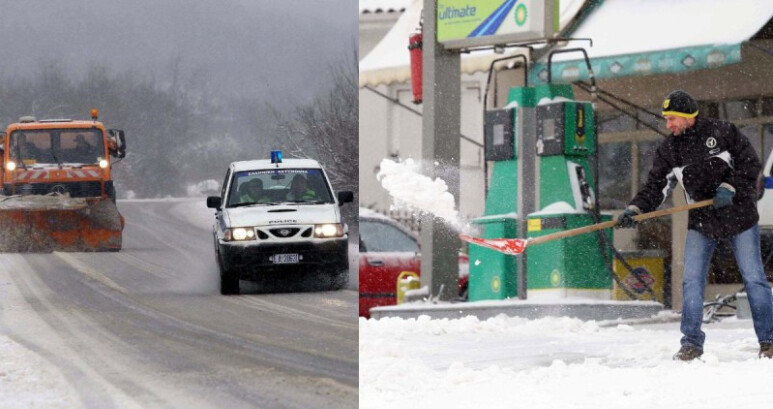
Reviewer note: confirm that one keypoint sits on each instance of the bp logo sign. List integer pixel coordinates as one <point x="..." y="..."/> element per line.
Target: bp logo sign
<point x="639" y="280"/>
<point x="555" y="278"/>
<point x="495" y="284"/>
<point x="521" y="14"/>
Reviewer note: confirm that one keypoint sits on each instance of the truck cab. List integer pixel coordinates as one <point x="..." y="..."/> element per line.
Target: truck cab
<point x="60" y="156"/>
<point x="279" y="217"/>
<point x="57" y="186"/>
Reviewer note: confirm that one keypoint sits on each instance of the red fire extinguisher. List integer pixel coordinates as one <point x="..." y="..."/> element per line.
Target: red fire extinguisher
<point x="414" y="48"/>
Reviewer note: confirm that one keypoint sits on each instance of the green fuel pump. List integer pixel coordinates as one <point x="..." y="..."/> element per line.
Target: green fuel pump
<point x="562" y="190"/>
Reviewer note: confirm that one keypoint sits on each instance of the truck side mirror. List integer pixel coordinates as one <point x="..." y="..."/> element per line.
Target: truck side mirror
<point x="117" y="144"/>
<point x="214" y="202"/>
<point x="346" y="196"/>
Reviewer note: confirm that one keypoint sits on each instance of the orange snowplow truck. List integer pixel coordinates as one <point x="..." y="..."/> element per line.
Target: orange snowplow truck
<point x="57" y="190"/>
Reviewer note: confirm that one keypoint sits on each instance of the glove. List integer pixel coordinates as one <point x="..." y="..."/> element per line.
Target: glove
<point x="625" y="220"/>
<point x="724" y="196"/>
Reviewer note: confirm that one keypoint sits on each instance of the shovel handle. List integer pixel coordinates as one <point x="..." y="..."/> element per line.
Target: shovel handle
<point x="612" y="223"/>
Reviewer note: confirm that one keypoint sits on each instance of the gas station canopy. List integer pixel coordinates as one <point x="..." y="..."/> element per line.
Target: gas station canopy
<point x="630" y="37"/>
<point x="659" y="36"/>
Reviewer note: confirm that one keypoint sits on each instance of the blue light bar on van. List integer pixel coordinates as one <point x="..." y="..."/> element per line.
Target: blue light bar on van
<point x="276" y="156"/>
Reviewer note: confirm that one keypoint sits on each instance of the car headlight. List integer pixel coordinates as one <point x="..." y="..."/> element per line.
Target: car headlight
<point x="328" y="230"/>
<point x="239" y="234"/>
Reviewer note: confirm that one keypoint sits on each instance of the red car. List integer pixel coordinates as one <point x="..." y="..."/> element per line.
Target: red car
<point x="386" y="250"/>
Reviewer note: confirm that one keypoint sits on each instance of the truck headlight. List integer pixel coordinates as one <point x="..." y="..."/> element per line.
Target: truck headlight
<point x="11" y="165"/>
<point x="328" y="230"/>
<point x="239" y="234"/>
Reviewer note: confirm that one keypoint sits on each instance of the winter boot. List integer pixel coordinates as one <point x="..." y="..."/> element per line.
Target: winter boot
<point x="688" y="353"/>
<point x="766" y="350"/>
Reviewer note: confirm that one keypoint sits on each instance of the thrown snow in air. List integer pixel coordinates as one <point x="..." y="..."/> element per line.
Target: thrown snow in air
<point x="411" y="190"/>
<point x="506" y="362"/>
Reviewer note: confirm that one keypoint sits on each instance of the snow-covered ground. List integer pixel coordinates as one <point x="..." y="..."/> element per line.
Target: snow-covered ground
<point x="562" y="363"/>
<point x="28" y="381"/>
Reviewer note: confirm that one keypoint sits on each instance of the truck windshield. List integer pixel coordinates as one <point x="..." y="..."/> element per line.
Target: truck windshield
<point x="52" y="146"/>
<point x="275" y="186"/>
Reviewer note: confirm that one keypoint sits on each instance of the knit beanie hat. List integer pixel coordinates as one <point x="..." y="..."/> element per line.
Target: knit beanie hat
<point x="680" y="103"/>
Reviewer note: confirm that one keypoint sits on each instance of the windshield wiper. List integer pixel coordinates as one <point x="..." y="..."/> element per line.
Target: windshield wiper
<point x="311" y="202"/>
<point x="253" y="204"/>
<point x="56" y="159"/>
<point x="53" y="151"/>
<point x="18" y="154"/>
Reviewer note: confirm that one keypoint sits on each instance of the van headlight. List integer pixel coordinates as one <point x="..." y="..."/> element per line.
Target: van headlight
<point x="328" y="230"/>
<point x="239" y="234"/>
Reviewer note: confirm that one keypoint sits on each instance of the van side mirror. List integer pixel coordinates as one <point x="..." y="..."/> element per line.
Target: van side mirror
<point x="346" y="196"/>
<point x="117" y="143"/>
<point x="214" y="202"/>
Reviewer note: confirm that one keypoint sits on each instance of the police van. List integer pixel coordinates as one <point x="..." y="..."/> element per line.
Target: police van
<point x="278" y="218"/>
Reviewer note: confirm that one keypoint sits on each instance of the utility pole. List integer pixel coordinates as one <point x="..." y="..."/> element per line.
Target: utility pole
<point x="440" y="154"/>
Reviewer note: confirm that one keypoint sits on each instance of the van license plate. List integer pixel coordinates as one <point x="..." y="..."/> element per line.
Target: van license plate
<point x="285" y="258"/>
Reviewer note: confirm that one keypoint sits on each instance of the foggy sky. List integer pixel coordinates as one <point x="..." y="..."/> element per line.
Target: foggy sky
<point x="274" y="49"/>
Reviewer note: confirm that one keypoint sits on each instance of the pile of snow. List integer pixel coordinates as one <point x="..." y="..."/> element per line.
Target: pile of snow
<point x="507" y="362"/>
<point x="413" y="191"/>
<point x="61" y="202"/>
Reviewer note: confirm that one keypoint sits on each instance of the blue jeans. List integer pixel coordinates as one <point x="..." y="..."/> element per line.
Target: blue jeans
<point x="697" y="255"/>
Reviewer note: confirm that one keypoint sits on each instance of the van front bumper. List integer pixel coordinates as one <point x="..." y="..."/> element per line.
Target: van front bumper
<point x="254" y="259"/>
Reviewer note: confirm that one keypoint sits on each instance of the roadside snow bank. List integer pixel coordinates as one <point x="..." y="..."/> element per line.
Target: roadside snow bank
<point x="28" y="381"/>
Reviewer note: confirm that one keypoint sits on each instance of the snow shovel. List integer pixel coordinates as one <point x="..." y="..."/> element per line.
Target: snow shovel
<point x="517" y="246"/>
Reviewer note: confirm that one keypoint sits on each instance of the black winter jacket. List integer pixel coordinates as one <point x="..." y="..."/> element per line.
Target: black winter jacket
<point x="709" y="153"/>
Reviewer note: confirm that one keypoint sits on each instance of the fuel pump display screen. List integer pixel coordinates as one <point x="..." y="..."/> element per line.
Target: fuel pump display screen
<point x="498" y="135"/>
<point x="550" y="129"/>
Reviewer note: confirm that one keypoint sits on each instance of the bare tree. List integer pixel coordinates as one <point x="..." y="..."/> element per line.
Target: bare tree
<point x="326" y="128"/>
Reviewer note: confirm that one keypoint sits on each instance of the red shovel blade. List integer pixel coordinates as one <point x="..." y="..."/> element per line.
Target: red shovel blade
<point x="507" y="246"/>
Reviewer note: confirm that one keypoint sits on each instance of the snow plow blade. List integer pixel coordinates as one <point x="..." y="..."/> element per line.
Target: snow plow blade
<point x="38" y="224"/>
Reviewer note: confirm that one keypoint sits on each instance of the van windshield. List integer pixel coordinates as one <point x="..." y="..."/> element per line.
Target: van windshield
<point x="274" y="186"/>
<point x="52" y="146"/>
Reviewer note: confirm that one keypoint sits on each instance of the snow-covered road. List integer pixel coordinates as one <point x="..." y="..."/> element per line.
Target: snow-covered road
<point x="147" y="328"/>
<point x="560" y="363"/>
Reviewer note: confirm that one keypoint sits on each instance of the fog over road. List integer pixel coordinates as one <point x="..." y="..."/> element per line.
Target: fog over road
<point x="147" y="327"/>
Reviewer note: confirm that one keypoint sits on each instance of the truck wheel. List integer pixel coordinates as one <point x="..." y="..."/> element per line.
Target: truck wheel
<point x="110" y="190"/>
<point x="339" y="279"/>
<point x="229" y="282"/>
